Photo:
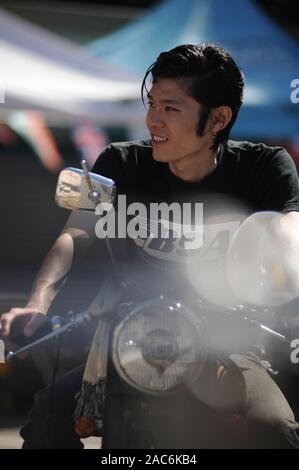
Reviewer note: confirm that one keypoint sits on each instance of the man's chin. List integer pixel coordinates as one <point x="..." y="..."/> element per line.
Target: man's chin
<point x="160" y="157"/>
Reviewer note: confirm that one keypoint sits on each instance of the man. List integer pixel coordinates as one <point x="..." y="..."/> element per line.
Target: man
<point x="193" y="102"/>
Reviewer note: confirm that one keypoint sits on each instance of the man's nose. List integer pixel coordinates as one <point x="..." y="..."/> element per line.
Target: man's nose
<point x="154" y="119"/>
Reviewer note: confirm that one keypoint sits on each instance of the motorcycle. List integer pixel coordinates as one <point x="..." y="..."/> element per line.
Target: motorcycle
<point x="171" y="382"/>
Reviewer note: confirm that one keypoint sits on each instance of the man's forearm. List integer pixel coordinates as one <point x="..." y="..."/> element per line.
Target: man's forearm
<point x="52" y="273"/>
<point x="74" y="240"/>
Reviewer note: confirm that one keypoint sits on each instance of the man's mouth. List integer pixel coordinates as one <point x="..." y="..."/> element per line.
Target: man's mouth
<point x="158" y="139"/>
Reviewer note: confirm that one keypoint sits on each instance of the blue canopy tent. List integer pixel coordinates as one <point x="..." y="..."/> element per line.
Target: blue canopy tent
<point x="268" y="57"/>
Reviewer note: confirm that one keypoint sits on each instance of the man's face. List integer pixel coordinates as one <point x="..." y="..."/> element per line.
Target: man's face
<point x="172" y="119"/>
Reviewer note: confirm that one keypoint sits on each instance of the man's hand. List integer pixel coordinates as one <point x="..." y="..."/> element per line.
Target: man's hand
<point x="18" y="321"/>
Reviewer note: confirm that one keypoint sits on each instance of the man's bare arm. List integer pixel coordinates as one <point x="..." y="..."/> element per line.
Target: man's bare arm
<point x="75" y="238"/>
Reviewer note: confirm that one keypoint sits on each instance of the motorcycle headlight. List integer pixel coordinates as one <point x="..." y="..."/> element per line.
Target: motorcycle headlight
<point x="159" y="346"/>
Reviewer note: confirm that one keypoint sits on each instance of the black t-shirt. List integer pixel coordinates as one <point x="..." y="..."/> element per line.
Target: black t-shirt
<point x="248" y="178"/>
<point x="261" y="177"/>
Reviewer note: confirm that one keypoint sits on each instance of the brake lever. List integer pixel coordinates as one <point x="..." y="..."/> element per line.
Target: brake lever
<point x="55" y="332"/>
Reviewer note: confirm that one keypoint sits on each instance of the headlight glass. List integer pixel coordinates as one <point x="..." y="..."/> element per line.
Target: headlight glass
<point x="159" y="346"/>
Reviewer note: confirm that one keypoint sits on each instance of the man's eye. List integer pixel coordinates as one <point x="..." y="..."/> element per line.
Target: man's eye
<point x="170" y="108"/>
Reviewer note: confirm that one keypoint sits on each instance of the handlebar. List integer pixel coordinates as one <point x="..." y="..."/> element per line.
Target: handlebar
<point x="59" y="326"/>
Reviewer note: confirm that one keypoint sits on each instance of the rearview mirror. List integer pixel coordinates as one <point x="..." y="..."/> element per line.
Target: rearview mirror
<point x="78" y="189"/>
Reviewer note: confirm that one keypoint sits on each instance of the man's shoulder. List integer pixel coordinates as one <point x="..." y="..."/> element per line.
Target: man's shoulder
<point x="131" y="146"/>
<point x="258" y="154"/>
<point x="246" y="147"/>
<point x="124" y="161"/>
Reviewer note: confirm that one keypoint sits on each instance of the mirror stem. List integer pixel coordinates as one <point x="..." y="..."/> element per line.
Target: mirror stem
<point x="93" y="195"/>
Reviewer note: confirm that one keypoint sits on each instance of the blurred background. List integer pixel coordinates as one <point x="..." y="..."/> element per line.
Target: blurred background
<point x="70" y="84"/>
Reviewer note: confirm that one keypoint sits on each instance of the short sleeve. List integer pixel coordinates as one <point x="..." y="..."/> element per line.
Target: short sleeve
<point x="279" y="189"/>
<point x="109" y="164"/>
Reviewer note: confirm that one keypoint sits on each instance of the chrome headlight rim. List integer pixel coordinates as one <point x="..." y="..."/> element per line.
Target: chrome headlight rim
<point x="192" y="373"/>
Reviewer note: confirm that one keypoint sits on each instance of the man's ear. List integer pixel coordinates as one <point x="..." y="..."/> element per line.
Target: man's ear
<point x="219" y="118"/>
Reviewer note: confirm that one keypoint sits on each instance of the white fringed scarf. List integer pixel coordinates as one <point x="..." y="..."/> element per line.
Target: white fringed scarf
<point x="90" y="400"/>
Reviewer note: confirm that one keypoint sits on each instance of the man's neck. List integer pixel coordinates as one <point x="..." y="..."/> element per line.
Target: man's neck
<point x="195" y="169"/>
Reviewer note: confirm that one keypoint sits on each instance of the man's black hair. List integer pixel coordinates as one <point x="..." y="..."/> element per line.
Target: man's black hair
<point x="208" y="74"/>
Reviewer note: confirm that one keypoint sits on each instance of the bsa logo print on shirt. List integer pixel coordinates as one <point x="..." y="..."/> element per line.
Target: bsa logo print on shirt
<point x="170" y="242"/>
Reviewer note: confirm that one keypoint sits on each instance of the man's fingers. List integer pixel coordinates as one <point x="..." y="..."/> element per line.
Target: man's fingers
<point x="6" y="320"/>
<point x="16" y="320"/>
